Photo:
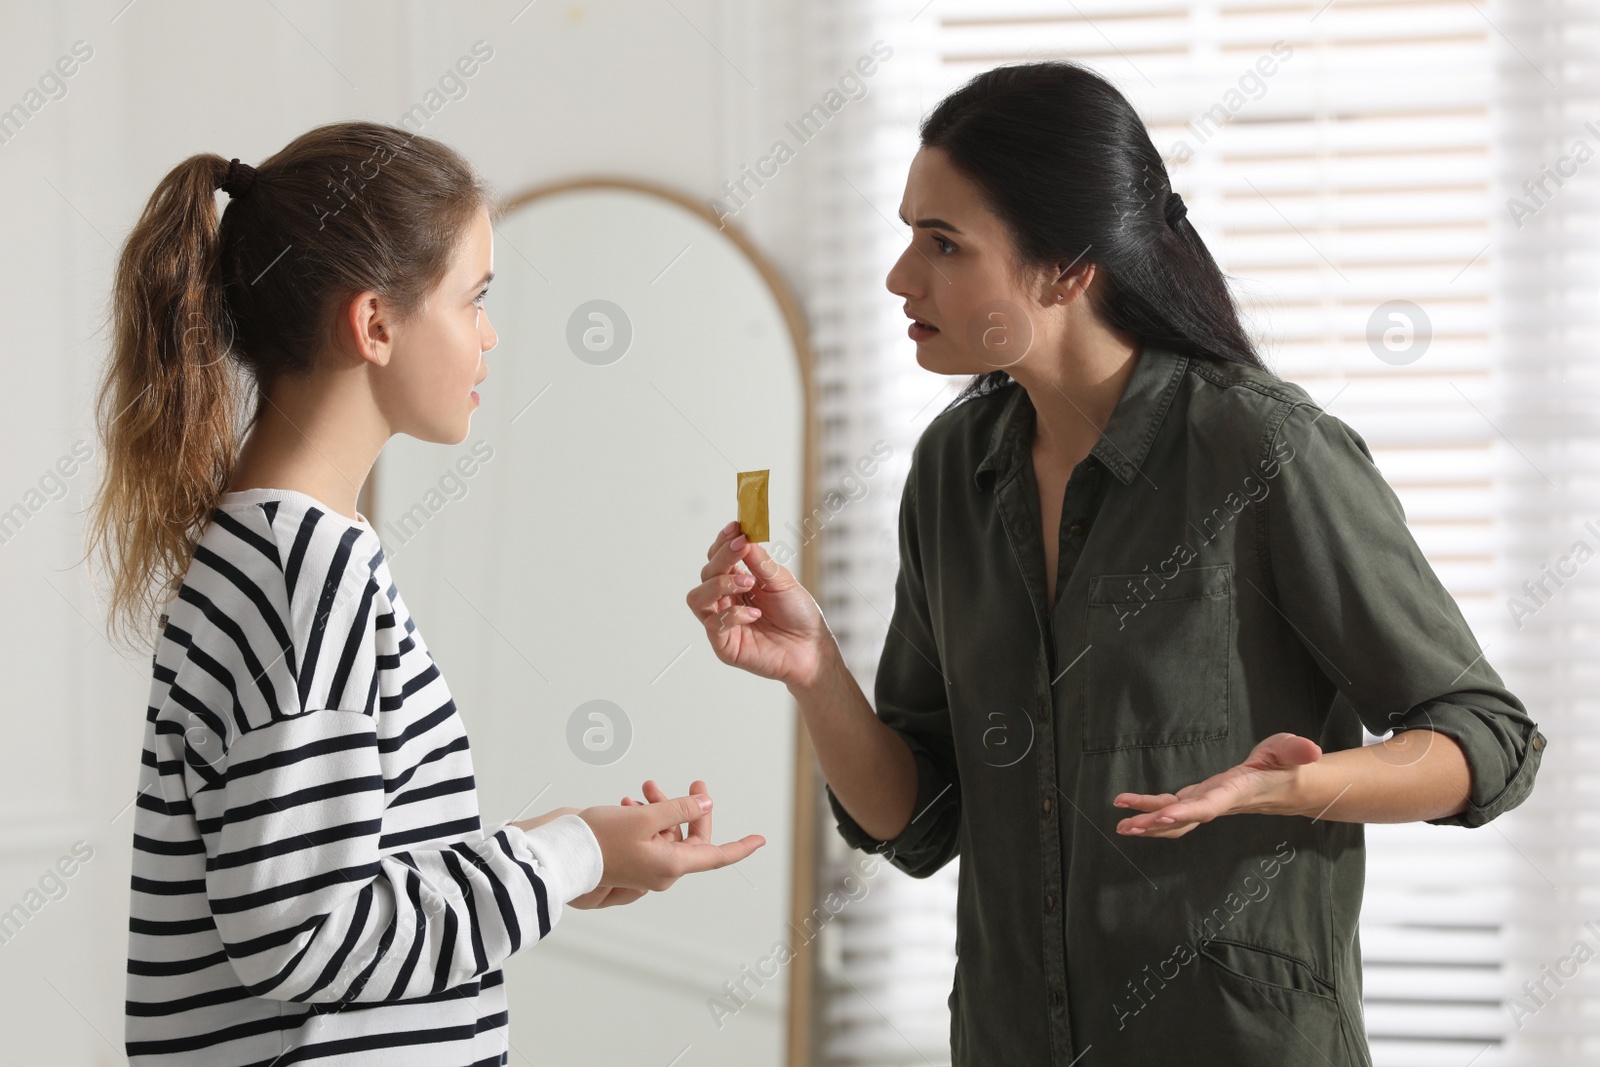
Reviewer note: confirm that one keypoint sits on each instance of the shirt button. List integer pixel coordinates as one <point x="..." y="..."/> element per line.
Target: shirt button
<point x="1044" y="712"/>
<point x="1075" y="529"/>
<point x="1047" y="805"/>
<point x="1049" y="902"/>
<point x="1055" y="998"/>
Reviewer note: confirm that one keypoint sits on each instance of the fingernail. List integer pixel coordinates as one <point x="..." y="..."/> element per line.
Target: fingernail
<point x="1166" y="818"/>
<point x="739" y="542"/>
<point x="1135" y="829"/>
<point x="705" y="802"/>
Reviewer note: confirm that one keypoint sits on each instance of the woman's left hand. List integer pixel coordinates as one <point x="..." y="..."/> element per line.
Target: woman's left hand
<point x="1263" y="784"/>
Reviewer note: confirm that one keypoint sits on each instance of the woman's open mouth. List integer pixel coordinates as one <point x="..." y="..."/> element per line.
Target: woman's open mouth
<point x="921" y="331"/>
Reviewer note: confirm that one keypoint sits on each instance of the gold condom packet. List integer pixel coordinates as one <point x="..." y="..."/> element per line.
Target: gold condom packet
<point x="753" y="505"/>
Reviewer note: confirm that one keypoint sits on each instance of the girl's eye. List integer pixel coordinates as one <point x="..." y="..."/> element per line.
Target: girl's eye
<point x="945" y="247"/>
<point x="478" y="300"/>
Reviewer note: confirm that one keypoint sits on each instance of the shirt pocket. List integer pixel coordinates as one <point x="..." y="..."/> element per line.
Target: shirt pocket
<point x="1259" y="990"/>
<point x="1159" y="656"/>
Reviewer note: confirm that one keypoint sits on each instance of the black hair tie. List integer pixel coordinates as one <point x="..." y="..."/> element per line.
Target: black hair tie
<point x="1176" y="209"/>
<point x="238" y="180"/>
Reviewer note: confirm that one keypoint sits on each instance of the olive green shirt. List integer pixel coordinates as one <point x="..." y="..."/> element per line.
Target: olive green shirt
<point x="1232" y="565"/>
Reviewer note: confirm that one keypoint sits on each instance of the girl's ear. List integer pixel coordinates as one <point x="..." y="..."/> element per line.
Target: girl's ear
<point x="366" y="325"/>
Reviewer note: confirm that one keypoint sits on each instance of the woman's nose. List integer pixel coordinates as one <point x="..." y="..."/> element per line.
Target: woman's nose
<point x="901" y="279"/>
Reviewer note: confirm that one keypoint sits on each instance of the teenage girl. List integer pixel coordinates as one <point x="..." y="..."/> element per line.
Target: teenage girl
<point x="311" y="877"/>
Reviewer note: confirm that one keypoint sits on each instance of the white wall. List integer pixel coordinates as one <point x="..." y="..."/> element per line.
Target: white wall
<point x="680" y="92"/>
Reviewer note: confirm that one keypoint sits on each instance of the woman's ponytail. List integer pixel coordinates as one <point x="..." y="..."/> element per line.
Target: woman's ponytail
<point x="168" y="413"/>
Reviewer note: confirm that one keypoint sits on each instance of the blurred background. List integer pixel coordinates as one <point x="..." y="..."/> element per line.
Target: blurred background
<point x="1406" y="193"/>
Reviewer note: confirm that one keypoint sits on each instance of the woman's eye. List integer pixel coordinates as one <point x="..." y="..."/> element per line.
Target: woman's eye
<point x="944" y="246"/>
<point x="478" y="300"/>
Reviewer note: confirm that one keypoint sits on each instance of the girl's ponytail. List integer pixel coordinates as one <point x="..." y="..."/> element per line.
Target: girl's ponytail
<point x="169" y="406"/>
<point x="208" y="314"/>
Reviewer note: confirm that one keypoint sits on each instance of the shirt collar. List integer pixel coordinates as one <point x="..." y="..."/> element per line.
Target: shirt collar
<point x="1127" y="436"/>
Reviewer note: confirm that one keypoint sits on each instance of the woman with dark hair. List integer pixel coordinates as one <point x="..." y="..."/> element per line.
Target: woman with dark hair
<point x="1149" y="595"/>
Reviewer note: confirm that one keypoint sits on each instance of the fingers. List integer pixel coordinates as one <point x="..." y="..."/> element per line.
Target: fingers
<point x="713" y="599"/>
<point x="694" y="857"/>
<point x="719" y="591"/>
<point x="671" y="813"/>
<point x="1171" y="820"/>
<point x="724" y="535"/>
<point x="729" y="550"/>
<point x="1160" y="819"/>
<point x="767" y="570"/>
<point x="734" y="615"/>
<point x="1166" y="832"/>
<point x="654" y="794"/>
<point x="699" y="829"/>
<point x="1144" y="801"/>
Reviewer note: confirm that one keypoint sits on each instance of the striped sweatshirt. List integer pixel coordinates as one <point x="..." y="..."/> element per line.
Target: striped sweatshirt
<point x="310" y="876"/>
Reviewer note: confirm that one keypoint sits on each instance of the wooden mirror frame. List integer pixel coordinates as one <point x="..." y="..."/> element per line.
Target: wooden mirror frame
<point x="803" y="887"/>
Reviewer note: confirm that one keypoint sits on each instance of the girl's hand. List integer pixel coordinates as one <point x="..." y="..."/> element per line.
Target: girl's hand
<point x="758" y="616"/>
<point x="610" y="896"/>
<point x="642" y="848"/>
<point x="1262" y="784"/>
<point x="654" y="795"/>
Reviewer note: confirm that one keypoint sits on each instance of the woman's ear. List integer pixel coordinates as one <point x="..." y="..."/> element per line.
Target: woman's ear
<point x="1072" y="280"/>
<point x="1076" y="279"/>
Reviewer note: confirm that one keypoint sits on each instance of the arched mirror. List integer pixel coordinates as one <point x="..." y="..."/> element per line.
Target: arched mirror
<point x="645" y="357"/>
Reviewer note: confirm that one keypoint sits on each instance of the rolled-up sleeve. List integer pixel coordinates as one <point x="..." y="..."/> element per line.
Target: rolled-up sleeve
<point x="1366" y="604"/>
<point x="909" y="694"/>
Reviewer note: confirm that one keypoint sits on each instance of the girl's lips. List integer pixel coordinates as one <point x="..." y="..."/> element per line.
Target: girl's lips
<point x="919" y="331"/>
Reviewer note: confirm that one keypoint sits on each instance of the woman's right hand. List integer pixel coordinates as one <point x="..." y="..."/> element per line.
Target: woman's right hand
<point x="759" y="618"/>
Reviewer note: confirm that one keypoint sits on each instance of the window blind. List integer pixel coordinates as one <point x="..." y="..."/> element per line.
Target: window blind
<point x="1338" y="158"/>
<point x="1546" y="402"/>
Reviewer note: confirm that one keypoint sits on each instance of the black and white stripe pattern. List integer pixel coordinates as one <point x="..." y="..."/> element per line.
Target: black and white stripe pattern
<point x="310" y="877"/>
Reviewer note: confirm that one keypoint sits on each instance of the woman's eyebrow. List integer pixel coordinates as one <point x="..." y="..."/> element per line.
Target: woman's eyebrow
<point x="483" y="281"/>
<point x="930" y="223"/>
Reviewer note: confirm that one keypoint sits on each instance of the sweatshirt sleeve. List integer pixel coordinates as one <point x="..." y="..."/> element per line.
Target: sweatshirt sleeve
<point x="307" y="908"/>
